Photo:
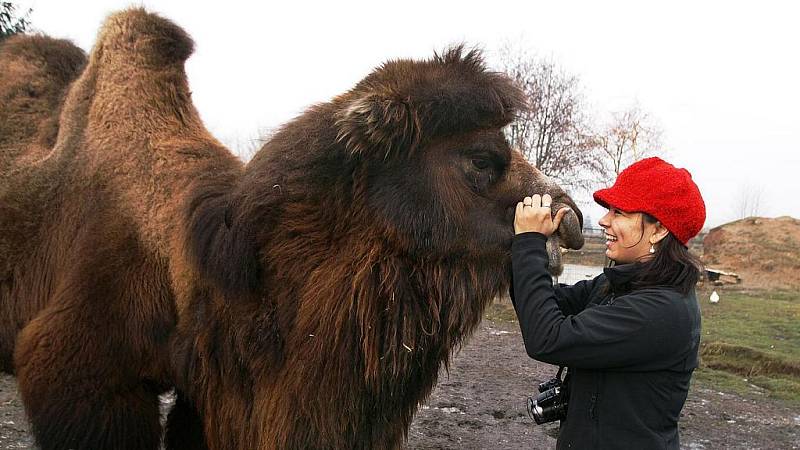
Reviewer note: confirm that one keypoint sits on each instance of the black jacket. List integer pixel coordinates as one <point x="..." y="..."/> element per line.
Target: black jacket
<point x="630" y="353"/>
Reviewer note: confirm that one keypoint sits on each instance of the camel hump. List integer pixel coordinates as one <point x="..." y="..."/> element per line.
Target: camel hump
<point x="58" y="59"/>
<point x="135" y="36"/>
<point x="35" y="72"/>
<point x="134" y="85"/>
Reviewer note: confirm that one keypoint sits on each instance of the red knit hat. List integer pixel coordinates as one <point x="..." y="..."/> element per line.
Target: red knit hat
<point x="662" y="190"/>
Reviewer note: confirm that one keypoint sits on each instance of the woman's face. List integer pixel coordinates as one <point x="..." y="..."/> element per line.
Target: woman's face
<point x="627" y="236"/>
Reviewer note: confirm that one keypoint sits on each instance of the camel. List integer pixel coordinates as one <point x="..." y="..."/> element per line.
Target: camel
<point x="306" y="299"/>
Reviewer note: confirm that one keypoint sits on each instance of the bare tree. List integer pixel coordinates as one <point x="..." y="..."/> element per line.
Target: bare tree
<point x="629" y="136"/>
<point x="245" y="147"/>
<point x="12" y="21"/>
<point x="748" y="202"/>
<point x="554" y="134"/>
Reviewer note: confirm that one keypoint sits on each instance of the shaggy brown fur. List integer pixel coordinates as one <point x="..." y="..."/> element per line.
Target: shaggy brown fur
<point x="305" y="301"/>
<point x="34" y="74"/>
<point x="36" y="71"/>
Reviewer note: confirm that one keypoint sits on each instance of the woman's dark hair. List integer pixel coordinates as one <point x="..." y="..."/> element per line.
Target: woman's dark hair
<point x="671" y="265"/>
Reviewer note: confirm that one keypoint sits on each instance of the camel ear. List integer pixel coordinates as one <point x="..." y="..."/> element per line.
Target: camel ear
<point x="383" y="126"/>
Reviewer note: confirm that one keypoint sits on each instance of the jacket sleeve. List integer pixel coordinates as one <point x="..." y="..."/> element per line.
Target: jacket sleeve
<point x="573" y="299"/>
<point x="636" y="330"/>
<point x="570" y="299"/>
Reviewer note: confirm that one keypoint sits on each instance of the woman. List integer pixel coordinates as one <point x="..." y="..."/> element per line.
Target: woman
<point x="630" y="336"/>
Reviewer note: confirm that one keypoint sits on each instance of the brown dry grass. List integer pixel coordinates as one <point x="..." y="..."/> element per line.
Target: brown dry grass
<point x="764" y="252"/>
<point x="746" y="361"/>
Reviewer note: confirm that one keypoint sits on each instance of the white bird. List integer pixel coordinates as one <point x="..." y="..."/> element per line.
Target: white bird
<point x="714" y="297"/>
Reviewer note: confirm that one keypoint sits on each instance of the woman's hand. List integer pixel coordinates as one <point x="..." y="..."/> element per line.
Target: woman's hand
<point x="534" y="214"/>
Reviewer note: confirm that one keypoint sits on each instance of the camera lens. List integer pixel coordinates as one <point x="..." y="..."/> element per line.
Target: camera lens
<point x="549" y="413"/>
<point x="551" y="402"/>
<point x="548" y="406"/>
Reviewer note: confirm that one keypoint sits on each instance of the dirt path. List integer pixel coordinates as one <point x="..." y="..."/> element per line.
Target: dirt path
<point x="481" y="405"/>
<point x="13" y="426"/>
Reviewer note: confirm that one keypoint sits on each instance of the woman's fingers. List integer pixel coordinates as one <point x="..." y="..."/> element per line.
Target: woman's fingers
<point x="518" y="217"/>
<point x="534" y="213"/>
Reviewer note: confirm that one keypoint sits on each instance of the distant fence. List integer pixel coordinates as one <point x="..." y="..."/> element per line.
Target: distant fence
<point x="577" y="272"/>
<point x="593" y="252"/>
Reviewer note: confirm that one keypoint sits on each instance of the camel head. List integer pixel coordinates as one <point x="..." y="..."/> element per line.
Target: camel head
<point x="443" y="179"/>
<point x="413" y="160"/>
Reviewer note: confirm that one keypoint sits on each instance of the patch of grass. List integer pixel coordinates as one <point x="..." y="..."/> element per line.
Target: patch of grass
<point x="720" y="380"/>
<point x="746" y="361"/>
<point x="785" y="389"/>
<point x="751" y="341"/>
<point x="763" y="321"/>
<point x="500" y="311"/>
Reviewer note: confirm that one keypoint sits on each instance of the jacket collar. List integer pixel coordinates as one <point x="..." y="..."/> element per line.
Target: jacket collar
<point x="620" y="277"/>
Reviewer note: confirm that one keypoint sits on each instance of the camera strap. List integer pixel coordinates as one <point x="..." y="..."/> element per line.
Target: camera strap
<point x="565" y="380"/>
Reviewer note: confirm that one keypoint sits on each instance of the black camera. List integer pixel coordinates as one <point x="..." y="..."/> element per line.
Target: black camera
<point x="551" y="402"/>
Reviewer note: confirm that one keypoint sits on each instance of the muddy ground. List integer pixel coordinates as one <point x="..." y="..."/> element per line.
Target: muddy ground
<point x="481" y="405"/>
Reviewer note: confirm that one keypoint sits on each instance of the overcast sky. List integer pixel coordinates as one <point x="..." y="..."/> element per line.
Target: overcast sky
<point x="722" y="78"/>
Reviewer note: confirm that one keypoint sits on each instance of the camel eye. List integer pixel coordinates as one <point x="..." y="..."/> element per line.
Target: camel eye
<point x="480" y="163"/>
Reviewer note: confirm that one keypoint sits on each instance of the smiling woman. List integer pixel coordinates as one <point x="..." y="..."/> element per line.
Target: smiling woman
<point x="629" y="337"/>
<point x="654" y="210"/>
<point x="625" y="235"/>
